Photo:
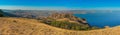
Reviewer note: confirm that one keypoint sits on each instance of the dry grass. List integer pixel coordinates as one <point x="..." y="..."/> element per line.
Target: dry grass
<point x="24" y="26"/>
<point x="66" y="19"/>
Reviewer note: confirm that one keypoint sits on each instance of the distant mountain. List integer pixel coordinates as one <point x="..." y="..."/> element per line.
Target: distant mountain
<point x="1" y="13"/>
<point x="44" y="13"/>
<point x="27" y="13"/>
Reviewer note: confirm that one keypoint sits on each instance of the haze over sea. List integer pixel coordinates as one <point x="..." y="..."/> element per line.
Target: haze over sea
<point x="101" y="19"/>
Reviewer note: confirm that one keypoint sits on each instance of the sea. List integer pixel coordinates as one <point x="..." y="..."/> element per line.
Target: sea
<point x="102" y="19"/>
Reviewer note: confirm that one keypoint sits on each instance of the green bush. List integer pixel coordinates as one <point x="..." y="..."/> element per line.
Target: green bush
<point x="68" y="25"/>
<point x="94" y="27"/>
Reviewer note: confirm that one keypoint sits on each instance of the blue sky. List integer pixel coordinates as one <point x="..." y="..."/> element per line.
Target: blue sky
<point x="60" y="4"/>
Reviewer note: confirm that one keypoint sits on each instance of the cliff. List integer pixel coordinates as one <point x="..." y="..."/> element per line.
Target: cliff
<point x="68" y="17"/>
<point x="66" y="21"/>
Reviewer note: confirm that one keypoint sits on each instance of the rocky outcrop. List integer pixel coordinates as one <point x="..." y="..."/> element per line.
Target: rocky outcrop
<point x="1" y="13"/>
<point x="68" y="16"/>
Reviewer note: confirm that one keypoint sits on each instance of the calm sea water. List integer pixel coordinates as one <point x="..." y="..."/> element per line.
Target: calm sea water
<point x="101" y="19"/>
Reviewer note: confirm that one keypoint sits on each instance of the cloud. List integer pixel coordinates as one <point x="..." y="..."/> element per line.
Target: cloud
<point x="54" y="8"/>
<point x="102" y="8"/>
<point x="33" y="8"/>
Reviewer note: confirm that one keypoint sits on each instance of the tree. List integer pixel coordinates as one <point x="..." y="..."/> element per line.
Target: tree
<point x="1" y="13"/>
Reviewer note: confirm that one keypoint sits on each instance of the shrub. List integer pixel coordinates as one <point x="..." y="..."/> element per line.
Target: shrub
<point x="68" y="25"/>
<point x="94" y="27"/>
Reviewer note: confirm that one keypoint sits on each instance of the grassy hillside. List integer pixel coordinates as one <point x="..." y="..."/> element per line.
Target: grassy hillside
<point x="67" y="21"/>
<point x="24" y="26"/>
<point x="63" y="20"/>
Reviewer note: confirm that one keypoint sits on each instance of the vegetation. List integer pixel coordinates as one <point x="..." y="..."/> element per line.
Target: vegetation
<point x="67" y="21"/>
<point x="1" y="13"/>
<point x="70" y="25"/>
<point x="94" y="27"/>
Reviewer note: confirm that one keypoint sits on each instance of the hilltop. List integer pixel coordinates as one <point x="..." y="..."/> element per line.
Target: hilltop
<point x="24" y="26"/>
<point x="64" y="20"/>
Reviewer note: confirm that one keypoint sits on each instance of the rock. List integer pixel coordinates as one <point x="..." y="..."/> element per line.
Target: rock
<point x="68" y="16"/>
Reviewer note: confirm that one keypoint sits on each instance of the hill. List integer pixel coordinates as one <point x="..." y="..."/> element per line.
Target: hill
<point x="58" y="19"/>
<point x="24" y="26"/>
<point x="66" y="21"/>
<point x="27" y="13"/>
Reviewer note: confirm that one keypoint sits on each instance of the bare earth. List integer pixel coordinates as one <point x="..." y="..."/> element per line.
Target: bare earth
<point x="24" y="26"/>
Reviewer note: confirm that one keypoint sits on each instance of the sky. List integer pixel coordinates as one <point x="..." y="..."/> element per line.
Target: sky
<point x="60" y="4"/>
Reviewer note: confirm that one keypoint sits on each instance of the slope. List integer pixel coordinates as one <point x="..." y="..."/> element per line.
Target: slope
<point x="24" y="26"/>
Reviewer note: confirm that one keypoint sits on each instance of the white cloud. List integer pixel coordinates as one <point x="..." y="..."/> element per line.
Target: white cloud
<point x="102" y="8"/>
<point x="33" y="8"/>
<point x="54" y="8"/>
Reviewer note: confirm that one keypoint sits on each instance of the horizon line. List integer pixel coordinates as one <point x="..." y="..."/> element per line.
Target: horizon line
<point x="53" y="8"/>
